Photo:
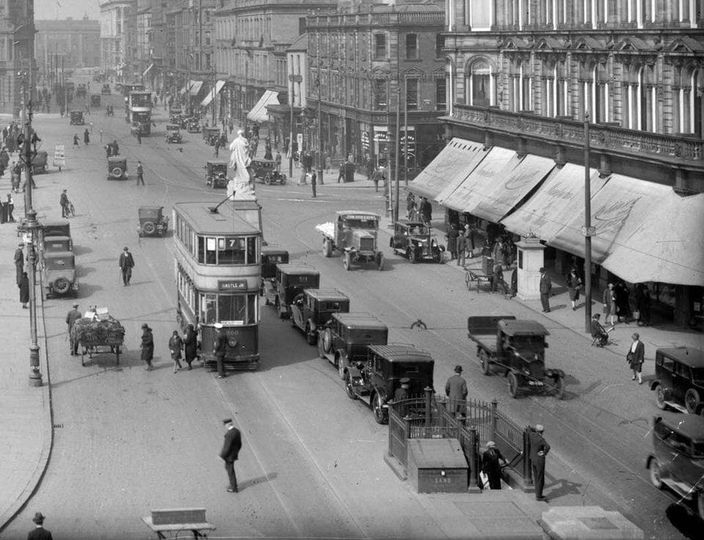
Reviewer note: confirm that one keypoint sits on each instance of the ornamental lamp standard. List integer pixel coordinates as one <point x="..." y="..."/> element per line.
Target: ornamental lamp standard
<point x="588" y="229"/>
<point x="292" y="100"/>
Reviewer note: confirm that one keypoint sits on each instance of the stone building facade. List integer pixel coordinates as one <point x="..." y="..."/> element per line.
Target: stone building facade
<point x="77" y="41"/>
<point x="17" y="65"/>
<point x="117" y="19"/>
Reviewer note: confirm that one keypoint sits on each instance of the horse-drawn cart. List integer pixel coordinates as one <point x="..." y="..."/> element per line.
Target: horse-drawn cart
<point x="98" y="332"/>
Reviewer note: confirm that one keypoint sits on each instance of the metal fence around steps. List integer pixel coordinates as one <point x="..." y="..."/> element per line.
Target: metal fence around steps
<point x="475" y="423"/>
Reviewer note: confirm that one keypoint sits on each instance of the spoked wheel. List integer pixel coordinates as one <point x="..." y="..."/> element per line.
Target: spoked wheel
<point x="61" y="285"/>
<point x="691" y="400"/>
<point x="513" y="384"/>
<point x="655" y="477"/>
<point x="378" y="407"/>
<point x="380" y="261"/>
<point x="149" y="228"/>
<point x="347" y="261"/>
<point x="559" y="387"/>
<point x="311" y="335"/>
<point x="348" y="387"/>
<point x="660" y="398"/>
<point x="341" y="365"/>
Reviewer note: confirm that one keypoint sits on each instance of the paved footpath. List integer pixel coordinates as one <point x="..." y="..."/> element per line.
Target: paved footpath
<point x="26" y="416"/>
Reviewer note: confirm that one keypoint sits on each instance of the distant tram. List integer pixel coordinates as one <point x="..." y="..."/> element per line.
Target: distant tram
<point x="139" y="110"/>
<point x="218" y="273"/>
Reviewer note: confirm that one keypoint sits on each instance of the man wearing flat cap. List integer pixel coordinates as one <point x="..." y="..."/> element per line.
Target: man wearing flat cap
<point x="230" y="452"/>
<point x="539" y="449"/>
<point x="39" y="532"/>
<point x="456" y="392"/>
<point x="71" y="317"/>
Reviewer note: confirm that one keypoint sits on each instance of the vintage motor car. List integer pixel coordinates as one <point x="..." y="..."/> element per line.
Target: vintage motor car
<point x="376" y="379"/>
<point x="55" y="244"/>
<point x="105" y="90"/>
<point x="312" y="308"/>
<point x="679" y="379"/>
<point x="192" y="124"/>
<point x="58" y="273"/>
<point x="677" y="460"/>
<point x="54" y="229"/>
<point x="354" y="233"/>
<point x="216" y="174"/>
<point x="95" y="100"/>
<point x="265" y="171"/>
<point x="270" y="258"/>
<point x="173" y="134"/>
<point x="415" y="240"/>
<point x="515" y="349"/>
<point x="39" y="162"/>
<point x="152" y="221"/>
<point x="346" y="338"/>
<point x="76" y="118"/>
<point x="117" y="168"/>
<point x="211" y="135"/>
<point x="290" y="280"/>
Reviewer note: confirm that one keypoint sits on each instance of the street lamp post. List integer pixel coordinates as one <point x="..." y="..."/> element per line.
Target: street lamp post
<point x="320" y="133"/>
<point x="588" y="230"/>
<point x="293" y="79"/>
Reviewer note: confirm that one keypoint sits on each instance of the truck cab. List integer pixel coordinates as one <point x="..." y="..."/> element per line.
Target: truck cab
<point x="376" y="379"/>
<point x="312" y="308"/>
<point x="354" y="233"/>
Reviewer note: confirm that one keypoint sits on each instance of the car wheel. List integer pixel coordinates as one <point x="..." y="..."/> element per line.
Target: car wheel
<point x="149" y="228"/>
<point x="321" y="351"/>
<point x="660" y="398"/>
<point x="347" y="261"/>
<point x="559" y="387"/>
<point x="282" y="179"/>
<point x="380" y="261"/>
<point x="655" y="477"/>
<point x="348" y="387"/>
<point x="486" y="366"/>
<point x="700" y="505"/>
<point x="116" y="172"/>
<point x="691" y="400"/>
<point x="267" y="179"/>
<point x="411" y="255"/>
<point x="342" y="365"/>
<point x="311" y="335"/>
<point x="327" y="247"/>
<point x="378" y="407"/>
<point x="513" y="384"/>
<point x="61" y="286"/>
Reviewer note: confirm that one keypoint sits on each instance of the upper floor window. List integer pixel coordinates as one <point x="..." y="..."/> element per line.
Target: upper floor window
<point x="379" y="90"/>
<point x="480" y="14"/>
<point x="439" y="45"/>
<point x="412" y="94"/>
<point x="441" y="93"/>
<point x="411" y="46"/>
<point x="379" y="46"/>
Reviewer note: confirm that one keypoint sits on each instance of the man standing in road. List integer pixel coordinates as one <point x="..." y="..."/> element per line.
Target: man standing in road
<point x="140" y="173"/>
<point x="71" y="318"/>
<point x="147" y="346"/>
<point x="230" y="452"/>
<point x="456" y="392"/>
<point x="19" y="262"/>
<point x="635" y="357"/>
<point x="39" y="532"/>
<point x="539" y="449"/>
<point x="64" y="202"/>
<point x="545" y="288"/>
<point x="219" y="348"/>
<point x="126" y="264"/>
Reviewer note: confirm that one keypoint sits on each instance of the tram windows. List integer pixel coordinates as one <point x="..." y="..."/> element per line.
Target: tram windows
<point x="231" y="251"/>
<point x="252" y="305"/>
<point x="232" y="307"/>
<point x="252" y="250"/>
<point x="210" y="251"/>
<point x="208" y="304"/>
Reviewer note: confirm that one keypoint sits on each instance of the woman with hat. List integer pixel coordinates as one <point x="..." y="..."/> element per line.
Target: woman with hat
<point x="492" y="460"/>
<point x="175" y="346"/>
<point x="190" y="345"/>
<point x="39" y="532"/>
<point x="147" y="346"/>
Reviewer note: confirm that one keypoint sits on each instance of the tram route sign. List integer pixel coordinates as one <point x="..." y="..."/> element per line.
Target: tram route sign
<point x="232" y="285"/>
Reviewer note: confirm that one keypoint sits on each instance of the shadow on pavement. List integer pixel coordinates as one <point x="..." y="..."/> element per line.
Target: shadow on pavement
<point x="685" y="521"/>
<point x="258" y="480"/>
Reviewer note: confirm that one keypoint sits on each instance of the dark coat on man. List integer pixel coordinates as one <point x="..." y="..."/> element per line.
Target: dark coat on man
<point x="19" y="264"/>
<point x="539" y="449"/>
<point x="456" y="391"/>
<point x="147" y="345"/>
<point x="491" y="465"/>
<point x="190" y="344"/>
<point x="545" y="289"/>
<point x="232" y="445"/>
<point x="39" y="533"/>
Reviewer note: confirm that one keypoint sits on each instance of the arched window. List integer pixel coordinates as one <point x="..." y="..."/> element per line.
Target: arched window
<point x="480" y="84"/>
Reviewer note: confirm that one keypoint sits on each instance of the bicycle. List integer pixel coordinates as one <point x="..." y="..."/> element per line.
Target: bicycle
<point x="71" y="210"/>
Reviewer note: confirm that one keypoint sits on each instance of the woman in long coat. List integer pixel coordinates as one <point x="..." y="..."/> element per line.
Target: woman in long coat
<point x="175" y="346"/>
<point x="147" y="346"/>
<point x="24" y="289"/>
<point x="190" y="344"/>
<point x="574" y="283"/>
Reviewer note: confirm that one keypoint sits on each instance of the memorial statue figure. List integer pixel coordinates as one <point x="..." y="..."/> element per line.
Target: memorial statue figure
<point x="241" y="184"/>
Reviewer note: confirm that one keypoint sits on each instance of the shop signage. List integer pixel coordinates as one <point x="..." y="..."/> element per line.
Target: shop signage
<point x="232" y="285"/>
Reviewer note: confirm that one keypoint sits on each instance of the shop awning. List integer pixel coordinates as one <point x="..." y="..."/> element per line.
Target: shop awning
<point x="149" y="68"/>
<point x="473" y="189"/>
<point x="213" y="92"/>
<point x="449" y="169"/>
<point x="500" y="194"/>
<point x="194" y="87"/>
<point x="554" y="204"/>
<point x="668" y="246"/>
<point x="258" y="112"/>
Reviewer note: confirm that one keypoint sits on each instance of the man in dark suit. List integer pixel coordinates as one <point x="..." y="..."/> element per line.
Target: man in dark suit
<point x="71" y="318"/>
<point x="39" y="532"/>
<point x="456" y="392"/>
<point x="539" y="449"/>
<point x="230" y="451"/>
<point x="126" y="264"/>
<point x="545" y="288"/>
<point x="219" y="349"/>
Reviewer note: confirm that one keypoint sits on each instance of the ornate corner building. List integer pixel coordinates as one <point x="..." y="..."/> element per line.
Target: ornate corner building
<point x="536" y="86"/>
<point x="17" y="66"/>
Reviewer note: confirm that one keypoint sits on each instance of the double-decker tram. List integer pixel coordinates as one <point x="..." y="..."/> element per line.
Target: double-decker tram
<point x="217" y="264"/>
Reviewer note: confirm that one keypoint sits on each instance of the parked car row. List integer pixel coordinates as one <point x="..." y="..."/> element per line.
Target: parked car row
<point x="356" y="344"/>
<point x="57" y="261"/>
